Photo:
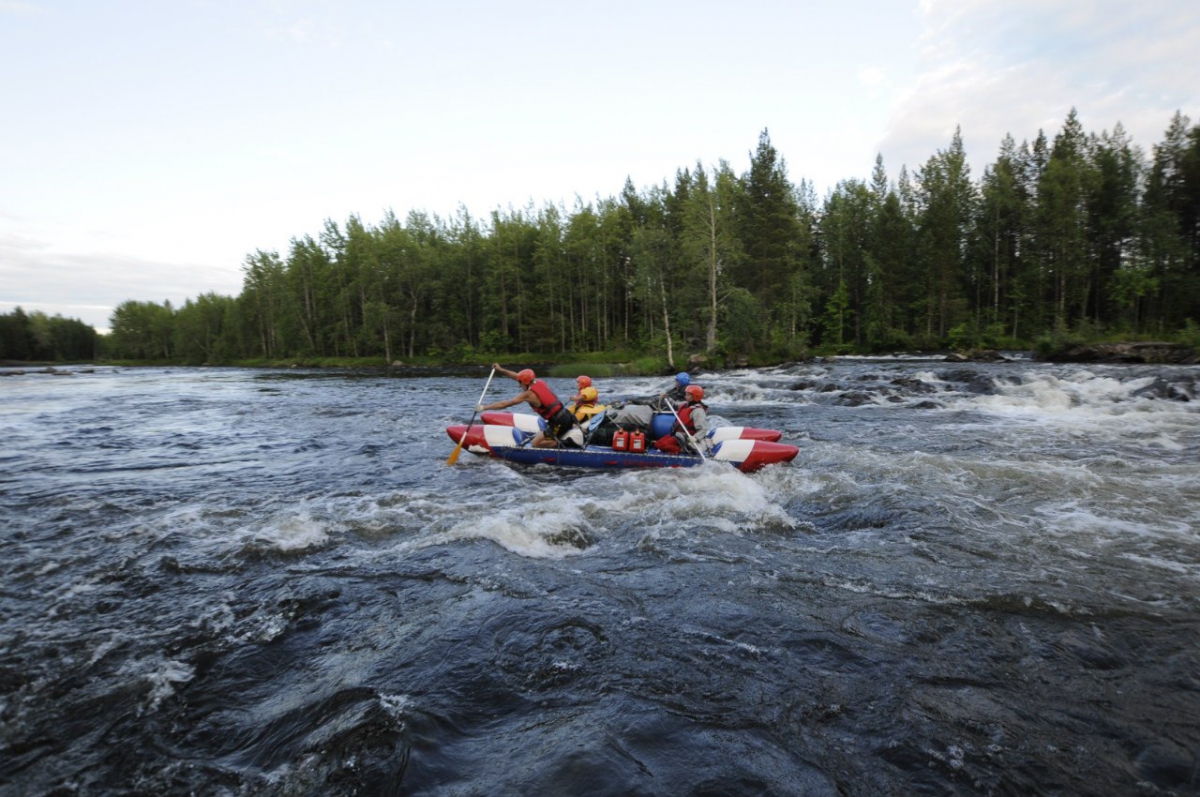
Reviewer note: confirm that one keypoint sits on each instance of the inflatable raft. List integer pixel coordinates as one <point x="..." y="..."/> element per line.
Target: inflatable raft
<point x="507" y="439"/>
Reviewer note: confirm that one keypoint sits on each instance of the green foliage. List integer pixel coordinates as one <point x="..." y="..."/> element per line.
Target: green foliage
<point x="742" y="324"/>
<point x="572" y="370"/>
<point x="1128" y="289"/>
<point x="646" y="366"/>
<point x="1191" y="335"/>
<point x="1079" y="232"/>
<point x="837" y="315"/>
<point x="972" y="334"/>
<point x="143" y="331"/>
<point x="37" y="337"/>
<point x="1061" y="337"/>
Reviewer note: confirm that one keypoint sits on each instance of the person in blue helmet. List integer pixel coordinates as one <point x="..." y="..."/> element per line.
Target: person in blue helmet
<point x="677" y="394"/>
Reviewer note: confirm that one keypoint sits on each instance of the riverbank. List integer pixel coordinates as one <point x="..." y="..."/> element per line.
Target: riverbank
<point x="1148" y="353"/>
<point x="612" y="364"/>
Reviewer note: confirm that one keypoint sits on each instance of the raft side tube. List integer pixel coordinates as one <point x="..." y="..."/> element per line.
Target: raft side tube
<point x="474" y="441"/>
<point x="504" y="437"/>
<point x="524" y="421"/>
<point x="751" y="455"/>
<point x="723" y="433"/>
<point x="483" y="439"/>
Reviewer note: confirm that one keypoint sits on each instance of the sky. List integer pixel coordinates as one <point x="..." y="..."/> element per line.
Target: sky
<point x="148" y="147"/>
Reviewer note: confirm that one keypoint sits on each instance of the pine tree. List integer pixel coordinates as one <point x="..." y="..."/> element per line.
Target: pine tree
<point x="946" y="198"/>
<point x="768" y="229"/>
<point x="1000" y="224"/>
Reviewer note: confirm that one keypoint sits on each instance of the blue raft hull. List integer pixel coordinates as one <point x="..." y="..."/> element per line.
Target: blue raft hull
<point x="595" y="457"/>
<point x="512" y="445"/>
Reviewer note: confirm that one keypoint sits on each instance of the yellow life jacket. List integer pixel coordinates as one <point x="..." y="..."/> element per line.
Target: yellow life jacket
<point x="584" y="412"/>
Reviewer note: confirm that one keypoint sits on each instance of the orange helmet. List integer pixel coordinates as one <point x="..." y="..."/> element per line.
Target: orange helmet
<point x="526" y="376"/>
<point x="583" y="381"/>
<point x="589" y="394"/>
<point x="694" y="392"/>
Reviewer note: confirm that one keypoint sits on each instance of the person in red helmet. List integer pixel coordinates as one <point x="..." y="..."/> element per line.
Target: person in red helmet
<point x="584" y="406"/>
<point x="579" y="400"/>
<point x="692" y="427"/>
<point x="560" y="424"/>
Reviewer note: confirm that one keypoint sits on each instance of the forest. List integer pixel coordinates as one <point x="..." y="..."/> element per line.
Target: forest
<point x="1081" y="235"/>
<point x="35" y="336"/>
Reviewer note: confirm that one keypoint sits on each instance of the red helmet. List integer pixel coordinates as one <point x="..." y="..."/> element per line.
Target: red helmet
<point x="583" y="381"/>
<point x="694" y="392"/>
<point x="526" y="376"/>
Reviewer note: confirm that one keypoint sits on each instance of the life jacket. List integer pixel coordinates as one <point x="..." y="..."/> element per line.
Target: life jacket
<point x="549" y="403"/>
<point x="685" y="416"/>
<point x="585" y="411"/>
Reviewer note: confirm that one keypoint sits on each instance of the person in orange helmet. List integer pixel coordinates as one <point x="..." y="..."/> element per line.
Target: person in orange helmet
<point x="585" y="407"/>
<point x="585" y="396"/>
<point x="559" y="422"/>
<point x="691" y="428"/>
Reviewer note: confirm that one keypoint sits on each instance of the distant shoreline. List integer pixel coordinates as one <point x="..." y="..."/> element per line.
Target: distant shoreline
<point x="1129" y="352"/>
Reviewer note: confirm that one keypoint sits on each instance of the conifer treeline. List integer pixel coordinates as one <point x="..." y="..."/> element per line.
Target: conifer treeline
<point x="37" y="336"/>
<point x="1080" y="232"/>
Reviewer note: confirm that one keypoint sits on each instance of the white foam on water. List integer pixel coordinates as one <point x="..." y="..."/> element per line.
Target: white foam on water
<point x="49" y="568"/>
<point x="1165" y="441"/>
<point x="165" y="680"/>
<point x="220" y="620"/>
<point x="1087" y="518"/>
<point x="1086" y="409"/>
<point x="538" y="516"/>
<point x="69" y="592"/>
<point x="163" y="677"/>
<point x="713" y="493"/>
<point x="398" y="707"/>
<point x="289" y="532"/>
<point x="540" y="529"/>
<point x="1081" y="394"/>
<point x="1158" y="563"/>
<point x="928" y="378"/>
<point x="219" y="616"/>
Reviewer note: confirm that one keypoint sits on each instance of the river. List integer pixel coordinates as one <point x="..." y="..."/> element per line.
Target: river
<point x="975" y="579"/>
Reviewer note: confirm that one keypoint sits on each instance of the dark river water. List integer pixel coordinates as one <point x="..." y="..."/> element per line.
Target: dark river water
<point x="974" y="580"/>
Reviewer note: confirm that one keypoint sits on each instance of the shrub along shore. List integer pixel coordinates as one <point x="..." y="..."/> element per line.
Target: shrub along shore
<point x="611" y="364"/>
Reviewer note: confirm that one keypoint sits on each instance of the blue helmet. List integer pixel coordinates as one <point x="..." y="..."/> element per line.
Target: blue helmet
<point x="683" y="379"/>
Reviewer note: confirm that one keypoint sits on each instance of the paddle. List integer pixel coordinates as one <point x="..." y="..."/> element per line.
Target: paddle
<point x="695" y="442"/>
<point x="458" y="448"/>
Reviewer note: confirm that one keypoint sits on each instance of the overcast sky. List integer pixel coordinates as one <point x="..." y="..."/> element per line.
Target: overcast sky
<point x="146" y="147"/>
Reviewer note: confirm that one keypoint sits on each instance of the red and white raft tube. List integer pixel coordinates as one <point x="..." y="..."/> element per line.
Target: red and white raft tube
<point x="510" y="443"/>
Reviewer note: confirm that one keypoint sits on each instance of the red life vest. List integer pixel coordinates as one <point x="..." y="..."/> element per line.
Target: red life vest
<point x="685" y="416"/>
<point x="549" y="402"/>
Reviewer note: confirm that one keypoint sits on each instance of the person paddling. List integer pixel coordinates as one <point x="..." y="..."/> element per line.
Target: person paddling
<point x="692" y="427"/>
<point x="676" y="394"/>
<point x="559" y="422"/>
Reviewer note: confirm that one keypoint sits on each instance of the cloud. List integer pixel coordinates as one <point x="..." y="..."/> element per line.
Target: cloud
<point x="20" y="9"/>
<point x="90" y="286"/>
<point x="872" y="77"/>
<point x="309" y="31"/>
<point x="995" y="67"/>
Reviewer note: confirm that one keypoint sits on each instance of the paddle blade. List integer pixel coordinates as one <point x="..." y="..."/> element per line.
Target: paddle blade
<point x="457" y="450"/>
